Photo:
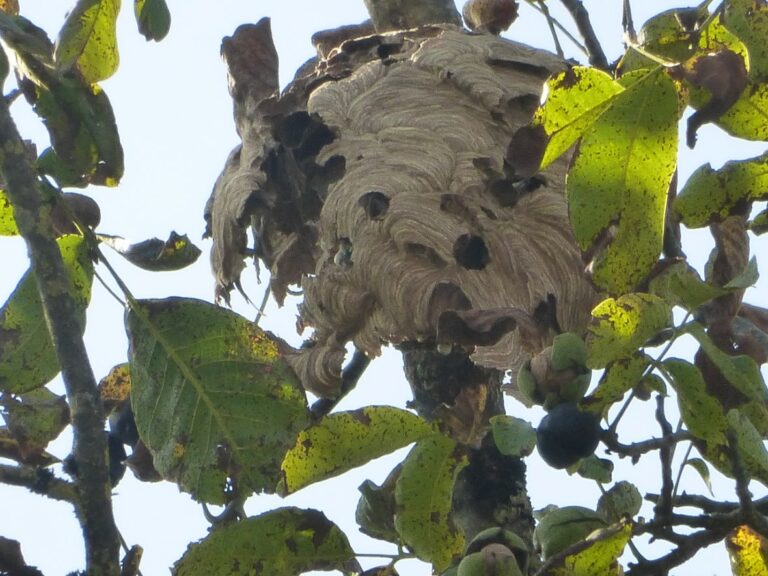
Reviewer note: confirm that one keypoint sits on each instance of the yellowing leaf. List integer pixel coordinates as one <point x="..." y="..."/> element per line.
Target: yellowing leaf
<point x="213" y="397"/>
<point x="746" y="118"/>
<point x="621" y="326"/>
<point x="282" y="542"/>
<point x="88" y="40"/>
<point x="711" y="195"/>
<point x="747" y="551"/>
<point x="748" y="20"/>
<point x="620" y="178"/>
<point x="7" y="221"/>
<point x="575" y="98"/>
<point x="423" y="496"/>
<point x="345" y="440"/>
<point x="619" y="378"/>
<point x="600" y="554"/>
<point x="27" y="357"/>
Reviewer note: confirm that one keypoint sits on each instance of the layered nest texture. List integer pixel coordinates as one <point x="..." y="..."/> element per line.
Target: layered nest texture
<point x="379" y="182"/>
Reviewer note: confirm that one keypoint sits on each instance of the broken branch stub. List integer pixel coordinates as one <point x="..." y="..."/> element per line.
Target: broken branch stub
<point x="378" y="182"/>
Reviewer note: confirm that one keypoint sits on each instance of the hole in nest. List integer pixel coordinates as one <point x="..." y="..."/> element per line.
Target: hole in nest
<point x="375" y="204"/>
<point x="471" y="252"/>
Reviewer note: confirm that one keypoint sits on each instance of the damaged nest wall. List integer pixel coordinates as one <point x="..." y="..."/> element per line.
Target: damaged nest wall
<point x="378" y="181"/>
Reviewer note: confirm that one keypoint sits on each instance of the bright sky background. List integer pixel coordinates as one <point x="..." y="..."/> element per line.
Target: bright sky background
<point x="175" y="120"/>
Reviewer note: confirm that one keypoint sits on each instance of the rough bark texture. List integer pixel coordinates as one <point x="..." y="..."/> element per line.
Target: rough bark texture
<point x="33" y="215"/>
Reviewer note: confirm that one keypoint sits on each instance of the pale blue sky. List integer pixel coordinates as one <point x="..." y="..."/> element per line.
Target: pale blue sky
<point x="175" y="119"/>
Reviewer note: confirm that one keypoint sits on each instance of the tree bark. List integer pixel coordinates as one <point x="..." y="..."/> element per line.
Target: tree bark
<point x="32" y="212"/>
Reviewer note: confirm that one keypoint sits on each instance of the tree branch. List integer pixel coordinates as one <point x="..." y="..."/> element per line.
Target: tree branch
<point x="38" y="480"/>
<point x="33" y="217"/>
<point x="581" y="17"/>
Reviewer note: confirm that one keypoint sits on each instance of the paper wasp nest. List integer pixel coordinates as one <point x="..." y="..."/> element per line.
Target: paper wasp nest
<point x="378" y="181"/>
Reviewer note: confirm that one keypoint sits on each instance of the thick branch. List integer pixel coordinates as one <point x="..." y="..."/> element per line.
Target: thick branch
<point x="39" y="481"/>
<point x="33" y="217"/>
<point x="404" y="14"/>
<point x="581" y="17"/>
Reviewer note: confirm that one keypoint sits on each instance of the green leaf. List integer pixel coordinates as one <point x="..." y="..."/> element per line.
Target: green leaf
<point x="622" y="326"/>
<point x="27" y="357"/>
<point x="759" y="224"/>
<point x="81" y="123"/>
<point x="213" y="396"/>
<point x="701" y="412"/>
<point x="36" y="418"/>
<point x="78" y="116"/>
<point x="669" y="33"/>
<point x="740" y="371"/>
<point x="346" y="440"/>
<point x="282" y="542"/>
<point x="154" y="254"/>
<point x="569" y="351"/>
<point x="7" y="221"/>
<point x="560" y="528"/>
<point x="600" y="552"/>
<point x="153" y="18"/>
<point x="703" y="470"/>
<point x="575" y="98"/>
<point x="681" y="285"/>
<point x="748" y="20"/>
<point x="513" y="436"/>
<point x="88" y="40"/>
<point x="746" y="278"/>
<point x="749" y="443"/>
<point x="621" y="175"/>
<point x="423" y="495"/>
<point x="712" y="195"/>
<point x="619" y="378"/>
<point x="747" y="551"/>
<point x="746" y="118"/>
<point x="375" y="512"/>
<point x="622" y="500"/>
<point x="597" y="469"/>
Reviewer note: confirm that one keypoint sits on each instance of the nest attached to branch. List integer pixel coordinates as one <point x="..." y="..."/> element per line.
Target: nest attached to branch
<point x="379" y="182"/>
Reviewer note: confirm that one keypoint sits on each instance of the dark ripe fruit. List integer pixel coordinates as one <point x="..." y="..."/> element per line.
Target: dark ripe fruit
<point x="567" y="434"/>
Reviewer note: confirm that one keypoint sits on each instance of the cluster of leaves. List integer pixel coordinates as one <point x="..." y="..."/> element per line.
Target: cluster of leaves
<point x="624" y="209"/>
<point x="208" y="400"/>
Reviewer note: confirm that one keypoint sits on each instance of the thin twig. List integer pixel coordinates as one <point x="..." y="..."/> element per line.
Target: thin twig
<point x="33" y="218"/>
<point x="664" y="507"/>
<point x="40" y="481"/>
<point x="638" y="449"/>
<point x="627" y="23"/>
<point x="680" y="470"/>
<point x="351" y="373"/>
<point x="533" y="4"/>
<point x="581" y="17"/>
<point x="263" y="305"/>
<point x="108" y="288"/>
<point x="687" y="548"/>
<point x="551" y="23"/>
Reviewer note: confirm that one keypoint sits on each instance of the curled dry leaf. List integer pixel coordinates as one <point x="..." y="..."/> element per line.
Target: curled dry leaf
<point x="375" y="181"/>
